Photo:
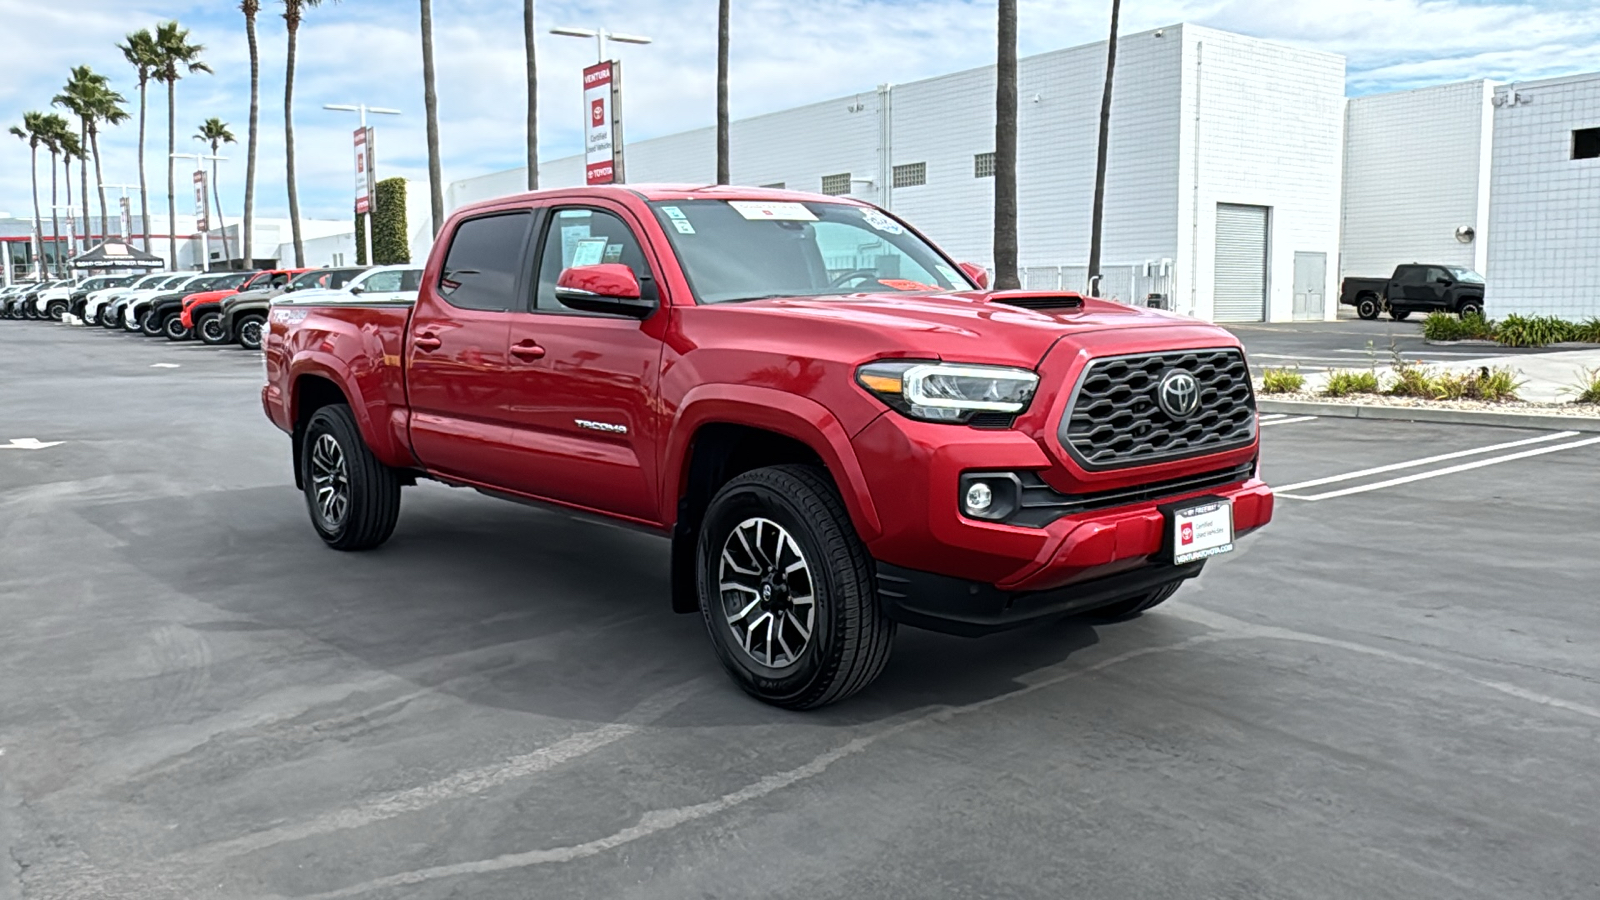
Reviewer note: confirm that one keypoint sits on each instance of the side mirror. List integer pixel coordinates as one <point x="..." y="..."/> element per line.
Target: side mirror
<point x="1445" y="281"/>
<point x="603" y="288"/>
<point x="978" y="274"/>
<point x="357" y="289"/>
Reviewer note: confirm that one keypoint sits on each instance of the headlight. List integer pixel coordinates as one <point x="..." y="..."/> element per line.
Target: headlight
<point x="945" y="392"/>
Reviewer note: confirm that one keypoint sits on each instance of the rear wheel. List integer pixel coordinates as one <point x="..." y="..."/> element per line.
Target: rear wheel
<point x="787" y="590"/>
<point x="353" y="498"/>
<point x="1399" y="315"/>
<point x="1367" y="307"/>
<point x="250" y="332"/>
<point x="1132" y="607"/>
<point x="210" y="329"/>
<point x="172" y="326"/>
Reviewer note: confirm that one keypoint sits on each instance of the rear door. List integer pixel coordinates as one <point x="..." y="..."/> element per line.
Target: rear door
<point x="581" y="385"/>
<point x="1404" y="288"/>
<point x="456" y="349"/>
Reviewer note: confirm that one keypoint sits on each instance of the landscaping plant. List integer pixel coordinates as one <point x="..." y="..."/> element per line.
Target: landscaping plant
<point x="1282" y="381"/>
<point x="1345" y="383"/>
<point x="1587" y="389"/>
<point x="1534" y="331"/>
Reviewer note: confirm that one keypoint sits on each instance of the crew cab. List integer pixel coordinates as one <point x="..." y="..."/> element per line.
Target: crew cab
<point x="98" y="305"/>
<point x="241" y="317"/>
<point x="196" y="305"/>
<point x="79" y="301"/>
<point x="164" y="315"/>
<point x="840" y="429"/>
<point x="1416" y="288"/>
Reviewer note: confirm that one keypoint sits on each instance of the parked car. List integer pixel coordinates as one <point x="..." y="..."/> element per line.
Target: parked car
<point x="164" y="314"/>
<point x="14" y="293"/>
<point x="21" y="305"/>
<point x="839" y="428"/>
<point x="97" y="307"/>
<point x="1416" y="288"/>
<point x="54" y="301"/>
<point x="211" y="301"/>
<point x="78" y="303"/>
<point x="397" y="283"/>
<point x="124" y="310"/>
<point x="241" y="317"/>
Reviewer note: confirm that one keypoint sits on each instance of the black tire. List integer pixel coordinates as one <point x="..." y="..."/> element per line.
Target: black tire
<point x="850" y="637"/>
<point x="172" y="326"/>
<point x="1133" y="607"/>
<point x="251" y="330"/>
<point x="149" y="325"/>
<point x="1470" y="308"/>
<point x="372" y="490"/>
<point x="91" y="319"/>
<point x="29" y="311"/>
<point x="1367" y="307"/>
<point x="1399" y="315"/>
<point x="210" y="331"/>
<point x="56" y="310"/>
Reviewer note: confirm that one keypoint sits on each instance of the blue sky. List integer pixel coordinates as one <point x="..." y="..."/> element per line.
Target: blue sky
<point x="785" y="52"/>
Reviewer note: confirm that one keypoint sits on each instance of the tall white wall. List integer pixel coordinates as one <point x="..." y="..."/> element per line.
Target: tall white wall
<point x="1413" y="166"/>
<point x="1544" y="215"/>
<point x="1263" y="125"/>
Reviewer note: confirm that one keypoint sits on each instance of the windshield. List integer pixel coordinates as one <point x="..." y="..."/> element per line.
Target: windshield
<point x="1466" y="275"/>
<point x="745" y="250"/>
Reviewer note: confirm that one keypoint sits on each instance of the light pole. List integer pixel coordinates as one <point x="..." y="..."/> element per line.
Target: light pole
<point x="600" y="36"/>
<point x="205" y="233"/>
<point x="124" y="224"/>
<point x="363" y="109"/>
<point x="72" y="238"/>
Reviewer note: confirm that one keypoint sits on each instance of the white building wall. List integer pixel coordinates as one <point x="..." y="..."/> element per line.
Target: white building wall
<point x="1263" y="125"/>
<point x="1544" y="215"/>
<point x="1404" y="198"/>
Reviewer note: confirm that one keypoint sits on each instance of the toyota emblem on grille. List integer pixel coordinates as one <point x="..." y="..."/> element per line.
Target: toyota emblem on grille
<point x="1178" y="394"/>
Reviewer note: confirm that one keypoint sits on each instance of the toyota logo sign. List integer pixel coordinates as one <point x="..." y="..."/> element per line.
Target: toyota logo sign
<point x="1178" y="394"/>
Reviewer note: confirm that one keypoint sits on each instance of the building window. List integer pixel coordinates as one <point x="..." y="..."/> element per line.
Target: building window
<point x="910" y="175"/>
<point x="983" y="165"/>
<point x="1586" y="143"/>
<point x="836" y="185"/>
<point x="776" y="186"/>
<point x="338" y="259"/>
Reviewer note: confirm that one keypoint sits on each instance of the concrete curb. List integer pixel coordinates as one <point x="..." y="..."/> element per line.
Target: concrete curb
<point x="1475" y="342"/>
<point x="1424" y="414"/>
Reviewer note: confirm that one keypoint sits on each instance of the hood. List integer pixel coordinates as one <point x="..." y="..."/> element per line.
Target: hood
<point x="207" y="296"/>
<point x="974" y="326"/>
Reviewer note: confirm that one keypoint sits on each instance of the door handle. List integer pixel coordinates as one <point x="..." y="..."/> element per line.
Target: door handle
<point x="427" y="342"/>
<point x="527" y="350"/>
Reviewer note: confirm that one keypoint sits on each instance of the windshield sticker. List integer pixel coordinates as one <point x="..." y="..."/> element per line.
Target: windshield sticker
<point x="683" y="226"/>
<point x="901" y="284"/>
<point x="673" y="212"/>
<point x="882" y="222"/>
<point x="948" y="274"/>
<point x="777" y="212"/>
<point x="588" y="251"/>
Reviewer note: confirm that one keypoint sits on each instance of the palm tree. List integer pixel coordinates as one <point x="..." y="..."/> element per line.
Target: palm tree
<point x="293" y="11"/>
<point x="430" y="108"/>
<point x="89" y="96"/>
<point x="250" y="8"/>
<point x="1005" y="151"/>
<point x="215" y="132"/>
<point x="71" y="151"/>
<point x="31" y="131"/>
<point x="176" y="57"/>
<point x="722" y="92"/>
<point x="533" y="97"/>
<point x="53" y="130"/>
<point x="140" y="52"/>
<point x="1100" y="160"/>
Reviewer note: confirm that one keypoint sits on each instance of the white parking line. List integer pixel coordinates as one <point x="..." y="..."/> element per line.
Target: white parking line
<point x="1266" y="422"/>
<point x="1393" y="467"/>
<point x="1476" y="464"/>
<point x="1272" y="416"/>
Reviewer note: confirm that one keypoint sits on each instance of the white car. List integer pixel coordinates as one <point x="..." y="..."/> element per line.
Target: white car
<point x="119" y="307"/>
<point x="98" y="299"/>
<point x="52" y="302"/>
<point x="194" y="282"/>
<point x="21" y="305"/>
<point x="377" y="284"/>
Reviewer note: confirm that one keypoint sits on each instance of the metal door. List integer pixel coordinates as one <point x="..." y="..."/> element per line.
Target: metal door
<point x="1240" y="277"/>
<point x="1310" y="286"/>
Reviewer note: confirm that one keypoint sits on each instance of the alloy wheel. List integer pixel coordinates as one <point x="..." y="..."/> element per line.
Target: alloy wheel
<point x="768" y="594"/>
<point x="331" y="478"/>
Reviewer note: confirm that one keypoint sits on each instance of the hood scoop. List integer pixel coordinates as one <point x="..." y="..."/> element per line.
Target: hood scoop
<point x="1038" y="299"/>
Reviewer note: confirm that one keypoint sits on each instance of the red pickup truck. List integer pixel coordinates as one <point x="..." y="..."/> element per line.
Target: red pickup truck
<point x="839" y="428"/>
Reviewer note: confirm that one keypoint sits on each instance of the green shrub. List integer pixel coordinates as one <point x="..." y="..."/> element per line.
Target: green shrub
<point x="390" y="234"/>
<point x="1491" y="385"/>
<point x="1534" y="331"/>
<point x="1587" y="388"/>
<point x="1588" y="332"/>
<point x="1414" y="381"/>
<point x="1442" y="326"/>
<point x="1345" y="383"/>
<point x="1282" y="381"/>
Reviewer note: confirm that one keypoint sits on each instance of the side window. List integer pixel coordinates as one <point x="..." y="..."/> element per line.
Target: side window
<point x="584" y="237"/>
<point x="1436" y="275"/>
<point x="480" y="271"/>
<point x="1409" y="275"/>
<point x="382" y="282"/>
<point x="410" y="279"/>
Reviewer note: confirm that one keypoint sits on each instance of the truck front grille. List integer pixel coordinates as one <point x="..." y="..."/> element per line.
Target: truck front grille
<point x="1115" y="420"/>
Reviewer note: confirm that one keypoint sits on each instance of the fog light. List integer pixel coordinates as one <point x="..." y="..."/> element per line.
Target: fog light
<point x="979" y="498"/>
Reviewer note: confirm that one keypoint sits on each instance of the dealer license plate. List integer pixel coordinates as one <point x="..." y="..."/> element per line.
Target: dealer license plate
<point x="1202" y="531"/>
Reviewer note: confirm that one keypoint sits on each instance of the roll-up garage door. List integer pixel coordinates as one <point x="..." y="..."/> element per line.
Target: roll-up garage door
<point x="1241" y="272"/>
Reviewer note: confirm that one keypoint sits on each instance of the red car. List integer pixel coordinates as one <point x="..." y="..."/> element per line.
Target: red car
<point x="196" y="305"/>
<point x="839" y="428"/>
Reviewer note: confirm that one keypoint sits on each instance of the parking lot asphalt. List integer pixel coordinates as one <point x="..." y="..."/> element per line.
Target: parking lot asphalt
<point x="1391" y="692"/>
<point x="1356" y="344"/>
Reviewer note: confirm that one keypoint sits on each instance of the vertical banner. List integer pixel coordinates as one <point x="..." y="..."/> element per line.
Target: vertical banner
<point x="201" y="207"/>
<point x="363" y="191"/>
<point x="372" y="169"/>
<point x="602" y="148"/>
<point x="125" y="222"/>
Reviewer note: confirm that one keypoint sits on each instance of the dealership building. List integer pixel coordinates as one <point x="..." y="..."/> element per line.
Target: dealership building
<point x="1241" y="184"/>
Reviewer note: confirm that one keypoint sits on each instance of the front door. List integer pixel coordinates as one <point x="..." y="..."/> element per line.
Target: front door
<point x="1310" y="286"/>
<point x="457" y="351"/>
<point x="581" y="385"/>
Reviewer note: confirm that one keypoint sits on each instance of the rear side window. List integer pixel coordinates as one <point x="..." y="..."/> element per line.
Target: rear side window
<point x="485" y="258"/>
<point x="1409" y="275"/>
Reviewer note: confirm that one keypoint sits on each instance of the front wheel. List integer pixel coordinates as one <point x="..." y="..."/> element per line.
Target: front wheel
<point x="149" y="324"/>
<point x="210" y="330"/>
<point x="1470" y="308"/>
<point x="787" y="590"/>
<point x="57" y="310"/>
<point x="353" y="498"/>
<point x="250" y="332"/>
<point x="172" y="326"/>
